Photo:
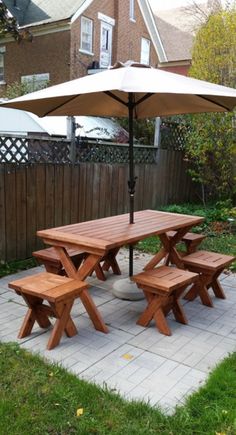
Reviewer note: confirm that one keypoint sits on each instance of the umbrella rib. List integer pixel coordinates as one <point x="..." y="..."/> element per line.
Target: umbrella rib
<point x="214" y="102"/>
<point x="61" y="104"/>
<point x="145" y="97"/>
<point x="110" y="94"/>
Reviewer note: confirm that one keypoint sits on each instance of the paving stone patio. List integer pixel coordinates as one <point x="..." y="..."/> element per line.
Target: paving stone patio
<point x="138" y="362"/>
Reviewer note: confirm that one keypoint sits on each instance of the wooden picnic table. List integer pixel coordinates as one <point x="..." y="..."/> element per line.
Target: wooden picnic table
<point x="104" y="237"/>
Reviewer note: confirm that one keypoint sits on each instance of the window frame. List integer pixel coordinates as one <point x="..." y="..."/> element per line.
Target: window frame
<point x="132" y="10"/>
<point x="82" y="22"/>
<point x="146" y="40"/>
<point x="31" y="80"/>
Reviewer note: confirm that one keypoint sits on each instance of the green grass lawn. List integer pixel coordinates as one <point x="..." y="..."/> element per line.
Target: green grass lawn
<point x="38" y="398"/>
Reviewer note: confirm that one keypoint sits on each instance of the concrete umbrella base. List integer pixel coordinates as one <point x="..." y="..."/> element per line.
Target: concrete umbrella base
<point x="126" y="289"/>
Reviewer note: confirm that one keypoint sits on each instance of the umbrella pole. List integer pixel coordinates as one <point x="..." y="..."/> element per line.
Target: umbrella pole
<point x="131" y="182"/>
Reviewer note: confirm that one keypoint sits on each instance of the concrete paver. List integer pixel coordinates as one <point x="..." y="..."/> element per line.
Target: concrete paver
<point x="139" y="363"/>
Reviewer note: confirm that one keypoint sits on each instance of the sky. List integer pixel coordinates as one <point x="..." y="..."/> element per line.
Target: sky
<point x="168" y="4"/>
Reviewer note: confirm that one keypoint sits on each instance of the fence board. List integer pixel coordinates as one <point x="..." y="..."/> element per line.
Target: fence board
<point x="82" y="193"/>
<point x="50" y="210"/>
<point x="122" y="188"/>
<point x="2" y="213"/>
<point x="103" y="190"/>
<point x="58" y="201"/>
<point x="95" y="183"/>
<point x="10" y="207"/>
<point x="21" y="213"/>
<point x="67" y="194"/>
<point x="31" y="210"/>
<point x="74" y="194"/>
<point x="40" y="201"/>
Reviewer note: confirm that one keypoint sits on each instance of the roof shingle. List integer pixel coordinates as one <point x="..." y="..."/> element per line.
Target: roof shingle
<point x="31" y="12"/>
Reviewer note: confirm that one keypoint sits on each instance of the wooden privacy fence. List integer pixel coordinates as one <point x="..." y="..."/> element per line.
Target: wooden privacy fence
<point x="43" y="195"/>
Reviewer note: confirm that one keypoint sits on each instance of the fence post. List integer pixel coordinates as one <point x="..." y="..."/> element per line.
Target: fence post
<point x="71" y="127"/>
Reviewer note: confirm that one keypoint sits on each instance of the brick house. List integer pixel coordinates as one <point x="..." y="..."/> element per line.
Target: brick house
<point x="73" y="38"/>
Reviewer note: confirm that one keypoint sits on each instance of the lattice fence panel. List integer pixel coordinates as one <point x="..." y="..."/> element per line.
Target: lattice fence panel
<point x="113" y="153"/>
<point x="173" y="135"/>
<point x="22" y="149"/>
<point x="49" y="151"/>
<point x="13" y="149"/>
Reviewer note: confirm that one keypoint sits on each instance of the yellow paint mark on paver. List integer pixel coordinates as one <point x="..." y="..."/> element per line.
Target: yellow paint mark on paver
<point x="127" y="356"/>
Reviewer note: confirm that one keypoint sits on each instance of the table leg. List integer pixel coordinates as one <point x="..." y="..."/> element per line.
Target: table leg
<point x="170" y="246"/>
<point x="110" y="261"/>
<point x="34" y="313"/>
<point x="154" y="304"/>
<point x="168" y="250"/>
<point x="200" y="288"/>
<point x="62" y="313"/>
<point x="81" y="274"/>
<point x="156" y="259"/>
<point x="217" y="287"/>
<point x="93" y="312"/>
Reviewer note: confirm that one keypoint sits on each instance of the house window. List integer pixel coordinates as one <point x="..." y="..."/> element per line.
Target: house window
<point x="131" y="10"/>
<point x="145" y="51"/>
<point x="2" y="52"/>
<point x="35" y="82"/>
<point x="86" y="37"/>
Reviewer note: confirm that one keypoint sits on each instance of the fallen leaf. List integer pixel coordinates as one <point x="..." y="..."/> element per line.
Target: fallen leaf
<point x="79" y="412"/>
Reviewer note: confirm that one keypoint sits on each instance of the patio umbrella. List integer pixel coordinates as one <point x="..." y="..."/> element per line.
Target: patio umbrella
<point x="129" y="90"/>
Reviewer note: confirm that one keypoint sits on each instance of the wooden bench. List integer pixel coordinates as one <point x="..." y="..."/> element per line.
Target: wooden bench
<point x="163" y="287"/>
<point x="60" y="293"/>
<point x="191" y="240"/>
<point x="51" y="260"/>
<point x="209" y="265"/>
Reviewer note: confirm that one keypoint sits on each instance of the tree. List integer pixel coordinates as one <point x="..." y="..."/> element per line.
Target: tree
<point x="211" y="144"/>
<point x="8" y="24"/>
<point x="144" y="129"/>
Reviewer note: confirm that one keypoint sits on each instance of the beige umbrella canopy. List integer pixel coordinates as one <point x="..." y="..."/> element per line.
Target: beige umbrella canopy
<point x="154" y="93"/>
<point x="130" y="90"/>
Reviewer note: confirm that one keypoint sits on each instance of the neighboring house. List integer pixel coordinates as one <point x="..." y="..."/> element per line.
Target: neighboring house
<point x="176" y="29"/>
<point x="71" y="38"/>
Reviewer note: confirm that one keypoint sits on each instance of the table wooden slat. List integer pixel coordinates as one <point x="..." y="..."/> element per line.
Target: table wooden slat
<point x="115" y="231"/>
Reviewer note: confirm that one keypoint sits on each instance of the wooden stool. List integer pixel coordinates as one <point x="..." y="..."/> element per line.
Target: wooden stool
<point x="163" y="287"/>
<point x="51" y="260"/>
<point x="209" y="265"/>
<point x="191" y="240"/>
<point x="60" y="293"/>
